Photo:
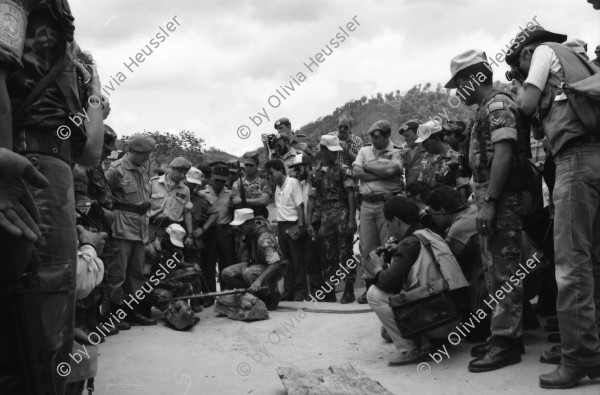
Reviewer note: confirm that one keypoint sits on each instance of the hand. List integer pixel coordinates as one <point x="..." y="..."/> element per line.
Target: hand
<point x="197" y="268"/>
<point x="344" y="145"/>
<point x="352" y="226"/>
<point x="377" y="261"/>
<point x="18" y="213"/>
<point x="255" y="287"/>
<point x="189" y="242"/>
<point x="198" y="232"/>
<point x="98" y="240"/>
<point x="485" y="219"/>
<point x="311" y="231"/>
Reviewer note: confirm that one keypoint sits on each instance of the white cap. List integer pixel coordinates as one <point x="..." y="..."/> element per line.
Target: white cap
<point x="331" y="142"/>
<point x="427" y="129"/>
<point x="177" y="234"/>
<point x="241" y="215"/>
<point x="194" y="176"/>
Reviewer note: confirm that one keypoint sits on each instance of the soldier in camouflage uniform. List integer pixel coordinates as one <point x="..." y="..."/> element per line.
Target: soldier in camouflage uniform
<point x="413" y="153"/>
<point x="258" y="191"/>
<point x="498" y="156"/>
<point x="440" y="166"/>
<point x="265" y="263"/>
<point x="456" y="137"/>
<point x="333" y="187"/>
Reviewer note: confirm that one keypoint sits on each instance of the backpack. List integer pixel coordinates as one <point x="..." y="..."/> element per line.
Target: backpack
<point x="583" y="95"/>
<point x="424" y="271"/>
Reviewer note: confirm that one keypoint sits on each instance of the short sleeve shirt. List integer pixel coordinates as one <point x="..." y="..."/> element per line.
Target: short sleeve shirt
<point x="166" y="202"/>
<point x="266" y="251"/>
<point x="543" y="62"/>
<point x="389" y="155"/>
<point x="221" y="202"/>
<point x="288" y="198"/>
<point x="495" y="122"/>
<point x="130" y="185"/>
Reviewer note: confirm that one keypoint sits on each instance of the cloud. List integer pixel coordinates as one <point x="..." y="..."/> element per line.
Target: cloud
<point x="227" y="58"/>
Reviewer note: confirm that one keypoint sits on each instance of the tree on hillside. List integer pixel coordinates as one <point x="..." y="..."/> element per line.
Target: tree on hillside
<point x="169" y="146"/>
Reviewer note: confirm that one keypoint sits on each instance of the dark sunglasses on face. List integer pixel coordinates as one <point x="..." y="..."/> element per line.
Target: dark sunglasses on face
<point x="343" y="127"/>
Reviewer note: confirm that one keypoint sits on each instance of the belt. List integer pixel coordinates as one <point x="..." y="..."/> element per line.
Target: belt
<point x="44" y="142"/>
<point x="372" y="198"/>
<point x="132" y="208"/>
<point x="225" y="226"/>
<point x="331" y="204"/>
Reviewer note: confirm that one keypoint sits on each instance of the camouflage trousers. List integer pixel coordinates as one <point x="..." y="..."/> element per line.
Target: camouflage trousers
<point x="336" y="242"/>
<point x="502" y="253"/>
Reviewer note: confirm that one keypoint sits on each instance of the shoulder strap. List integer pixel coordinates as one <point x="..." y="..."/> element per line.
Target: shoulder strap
<point x="569" y="59"/>
<point x="44" y="82"/>
<point x="427" y="244"/>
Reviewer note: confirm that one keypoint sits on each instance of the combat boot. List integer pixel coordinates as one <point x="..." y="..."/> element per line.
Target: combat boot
<point x="480" y="350"/>
<point x="503" y="351"/>
<point x="363" y="298"/>
<point x="348" y="296"/>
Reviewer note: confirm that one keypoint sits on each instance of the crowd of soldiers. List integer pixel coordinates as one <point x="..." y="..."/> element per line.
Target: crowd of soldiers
<point x="180" y="231"/>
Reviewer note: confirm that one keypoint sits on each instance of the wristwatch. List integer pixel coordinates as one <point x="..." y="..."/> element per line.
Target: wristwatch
<point x="489" y="199"/>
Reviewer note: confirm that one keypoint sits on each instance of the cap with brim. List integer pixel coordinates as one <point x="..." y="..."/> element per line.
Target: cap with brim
<point x="194" y="176"/>
<point x="176" y="234"/>
<point x="534" y="34"/>
<point x="252" y="159"/>
<point x="300" y="159"/>
<point x="427" y="130"/>
<point x="332" y="143"/>
<point x="241" y="215"/>
<point x="281" y="121"/>
<point x="180" y="163"/>
<point x="220" y="172"/>
<point x="462" y="61"/>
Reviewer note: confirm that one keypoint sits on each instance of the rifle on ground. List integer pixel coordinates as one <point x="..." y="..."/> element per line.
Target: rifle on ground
<point x="213" y="294"/>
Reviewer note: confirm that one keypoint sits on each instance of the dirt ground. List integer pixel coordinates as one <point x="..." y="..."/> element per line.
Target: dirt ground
<point x="221" y="356"/>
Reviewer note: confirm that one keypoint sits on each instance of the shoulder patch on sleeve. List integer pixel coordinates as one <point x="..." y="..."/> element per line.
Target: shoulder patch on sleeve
<point x="496" y="106"/>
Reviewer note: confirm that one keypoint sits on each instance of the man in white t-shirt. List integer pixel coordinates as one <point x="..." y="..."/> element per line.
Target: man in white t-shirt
<point x="289" y="206"/>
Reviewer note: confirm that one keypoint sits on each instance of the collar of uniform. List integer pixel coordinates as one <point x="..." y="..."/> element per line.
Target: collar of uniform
<point x="389" y="147"/>
<point x="211" y="190"/>
<point x="128" y="164"/>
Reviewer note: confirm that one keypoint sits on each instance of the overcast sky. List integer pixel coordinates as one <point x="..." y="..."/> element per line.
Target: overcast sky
<point x="225" y="59"/>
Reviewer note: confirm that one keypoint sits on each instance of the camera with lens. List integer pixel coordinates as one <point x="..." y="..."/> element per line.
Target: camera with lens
<point x="383" y="251"/>
<point x="270" y="138"/>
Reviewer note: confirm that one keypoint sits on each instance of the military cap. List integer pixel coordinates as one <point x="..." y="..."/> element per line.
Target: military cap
<point x="598" y="48"/>
<point x="281" y="121"/>
<point x="408" y="125"/>
<point x="281" y="136"/>
<point x="242" y="215"/>
<point x="380" y="127"/>
<point x="180" y="163"/>
<point x="220" y="172"/>
<point x="217" y="163"/>
<point x="142" y="143"/>
<point x="109" y="138"/>
<point x="452" y="126"/>
<point x="464" y="60"/>
<point x="252" y="158"/>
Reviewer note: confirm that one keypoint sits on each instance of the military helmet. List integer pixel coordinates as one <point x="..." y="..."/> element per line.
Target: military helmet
<point x="180" y="315"/>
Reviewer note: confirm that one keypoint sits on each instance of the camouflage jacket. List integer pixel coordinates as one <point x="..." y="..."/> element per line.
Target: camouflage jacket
<point x="438" y="169"/>
<point x="329" y="184"/>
